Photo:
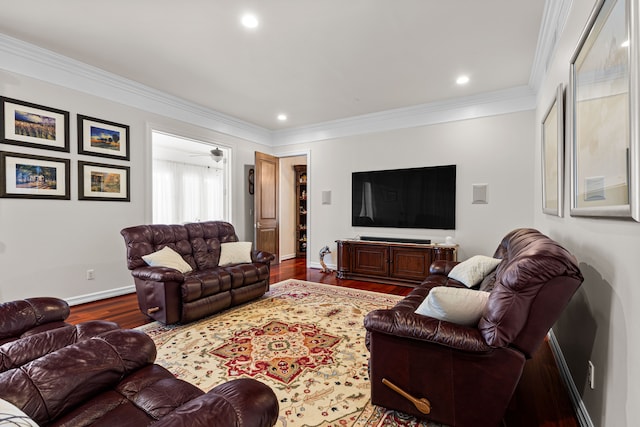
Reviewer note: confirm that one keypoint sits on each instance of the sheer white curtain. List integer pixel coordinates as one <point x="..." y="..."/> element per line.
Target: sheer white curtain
<point x="187" y="193"/>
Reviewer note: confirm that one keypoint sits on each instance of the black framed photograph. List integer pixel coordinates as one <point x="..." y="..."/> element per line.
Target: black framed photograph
<point x="603" y="114"/>
<point x="97" y="181"/>
<point x="552" y="156"/>
<point x="102" y="138"/>
<point x="31" y="125"/>
<point x="34" y="177"/>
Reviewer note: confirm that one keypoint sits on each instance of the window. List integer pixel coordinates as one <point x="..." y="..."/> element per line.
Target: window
<point x="188" y="185"/>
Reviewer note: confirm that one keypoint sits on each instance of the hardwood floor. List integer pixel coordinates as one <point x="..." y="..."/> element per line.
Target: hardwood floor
<point x="541" y="398"/>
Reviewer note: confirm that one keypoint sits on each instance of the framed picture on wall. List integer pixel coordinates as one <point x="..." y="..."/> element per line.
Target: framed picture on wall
<point x="102" y="138"/>
<point x="553" y="156"/>
<point x="33" y="177"/>
<point x="97" y="181"/>
<point x="31" y="125"/>
<point x="603" y="114"/>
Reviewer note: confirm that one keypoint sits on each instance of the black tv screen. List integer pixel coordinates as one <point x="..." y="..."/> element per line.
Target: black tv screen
<point x="405" y="198"/>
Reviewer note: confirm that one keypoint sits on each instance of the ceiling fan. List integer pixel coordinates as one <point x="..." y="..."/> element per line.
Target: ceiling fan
<point x="216" y="154"/>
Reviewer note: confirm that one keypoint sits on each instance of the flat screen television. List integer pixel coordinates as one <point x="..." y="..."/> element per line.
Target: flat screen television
<point x="405" y="198"/>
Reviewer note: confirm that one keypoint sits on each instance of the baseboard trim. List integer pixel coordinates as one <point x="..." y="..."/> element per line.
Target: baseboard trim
<point x="96" y="296"/>
<point x="286" y="257"/>
<point x="578" y="405"/>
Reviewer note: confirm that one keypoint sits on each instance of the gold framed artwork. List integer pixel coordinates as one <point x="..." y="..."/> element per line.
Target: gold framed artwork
<point x="34" y="177"/>
<point x="32" y="125"/>
<point x="97" y="181"/>
<point x="553" y="156"/>
<point x="603" y="119"/>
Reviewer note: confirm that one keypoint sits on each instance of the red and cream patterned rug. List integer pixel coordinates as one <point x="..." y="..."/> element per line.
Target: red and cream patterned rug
<point x="305" y="340"/>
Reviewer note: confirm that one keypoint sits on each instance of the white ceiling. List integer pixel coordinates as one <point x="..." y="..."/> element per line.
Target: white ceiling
<point x="315" y="60"/>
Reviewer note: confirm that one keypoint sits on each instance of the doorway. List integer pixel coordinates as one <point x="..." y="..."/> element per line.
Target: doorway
<point x="286" y="204"/>
<point x="190" y="180"/>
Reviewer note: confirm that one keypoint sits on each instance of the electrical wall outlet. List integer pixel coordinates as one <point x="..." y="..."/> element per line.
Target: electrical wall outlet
<point x="91" y="274"/>
<point x="592" y="375"/>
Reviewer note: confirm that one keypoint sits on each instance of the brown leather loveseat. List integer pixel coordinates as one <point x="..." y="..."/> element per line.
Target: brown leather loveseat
<point x="111" y="380"/>
<point x="467" y="374"/>
<point x="168" y="295"/>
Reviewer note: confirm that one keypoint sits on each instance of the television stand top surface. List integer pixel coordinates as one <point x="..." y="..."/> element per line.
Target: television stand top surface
<point x="395" y="240"/>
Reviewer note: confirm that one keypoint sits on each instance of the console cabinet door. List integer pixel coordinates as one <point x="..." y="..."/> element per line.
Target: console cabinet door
<point x="370" y="260"/>
<point x="410" y="263"/>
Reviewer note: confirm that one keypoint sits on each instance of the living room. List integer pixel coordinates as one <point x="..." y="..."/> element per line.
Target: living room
<point x="47" y="246"/>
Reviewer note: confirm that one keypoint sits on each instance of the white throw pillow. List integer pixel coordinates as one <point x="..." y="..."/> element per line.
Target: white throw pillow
<point x="167" y="257"/>
<point x="235" y="253"/>
<point x="455" y="305"/>
<point x="11" y="415"/>
<point x="472" y="271"/>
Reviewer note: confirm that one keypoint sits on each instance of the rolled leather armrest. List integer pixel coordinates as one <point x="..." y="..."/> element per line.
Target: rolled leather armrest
<point x="241" y="402"/>
<point x="414" y="326"/>
<point x="158" y="274"/>
<point x="442" y="267"/>
<point x="19" y="316"/>
<point x="262" y="256"/>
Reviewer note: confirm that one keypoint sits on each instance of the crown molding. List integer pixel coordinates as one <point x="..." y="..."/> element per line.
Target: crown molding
<point x="554" y="18"/>
<point x="32" y="61"/>
<point x="482" y="105"/>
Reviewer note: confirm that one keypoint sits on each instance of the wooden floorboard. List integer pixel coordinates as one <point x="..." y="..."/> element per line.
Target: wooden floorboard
<point x="541" y="398"/>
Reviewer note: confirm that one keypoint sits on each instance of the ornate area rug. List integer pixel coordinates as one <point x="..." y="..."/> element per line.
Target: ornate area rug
<point x="305" y="340"/>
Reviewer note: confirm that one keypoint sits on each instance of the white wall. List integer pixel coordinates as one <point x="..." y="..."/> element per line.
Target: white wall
<point x="496" y="150"/>
<point x="600" y="324"/>
<point x="46" y="246"/>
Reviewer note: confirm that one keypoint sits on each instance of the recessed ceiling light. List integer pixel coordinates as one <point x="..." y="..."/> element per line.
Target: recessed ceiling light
<point x="282" y="117"/>
<point x="462" y="80"/>
<point x="250" y="20"/>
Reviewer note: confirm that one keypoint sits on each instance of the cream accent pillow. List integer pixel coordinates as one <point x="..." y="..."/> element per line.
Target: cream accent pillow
<point x="11" y="415"/>
<point x="167" y="257"/>
<point x="235" y="253"/>
<point x="455" y="305"/>
<point x="472" y="271"/>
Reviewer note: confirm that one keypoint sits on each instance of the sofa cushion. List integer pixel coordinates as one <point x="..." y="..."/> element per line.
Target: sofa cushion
<point x="472" y="271"/>
<point x="167" y="257"/>
<point x="456" y="305"/>
<point x="235" y="253"/>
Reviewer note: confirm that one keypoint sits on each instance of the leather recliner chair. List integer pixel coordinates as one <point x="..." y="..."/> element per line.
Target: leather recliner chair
<point x="111" y="380"/>
<point x="466" y="375"/>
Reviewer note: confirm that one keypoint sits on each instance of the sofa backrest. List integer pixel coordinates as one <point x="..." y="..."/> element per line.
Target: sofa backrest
<point x="198" y="243"/>
<point x="534" y="282"/>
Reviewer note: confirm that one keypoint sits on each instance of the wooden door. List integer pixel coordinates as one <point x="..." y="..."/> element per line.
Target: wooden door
<point x="266" y="204"/>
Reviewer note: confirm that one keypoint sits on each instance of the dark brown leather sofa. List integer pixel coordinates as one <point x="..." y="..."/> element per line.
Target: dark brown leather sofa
<point x="468" y="373"/>
<point x="169" y="296"/>
<point x="111" y="380"/>
<point x="33" y="327"/>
